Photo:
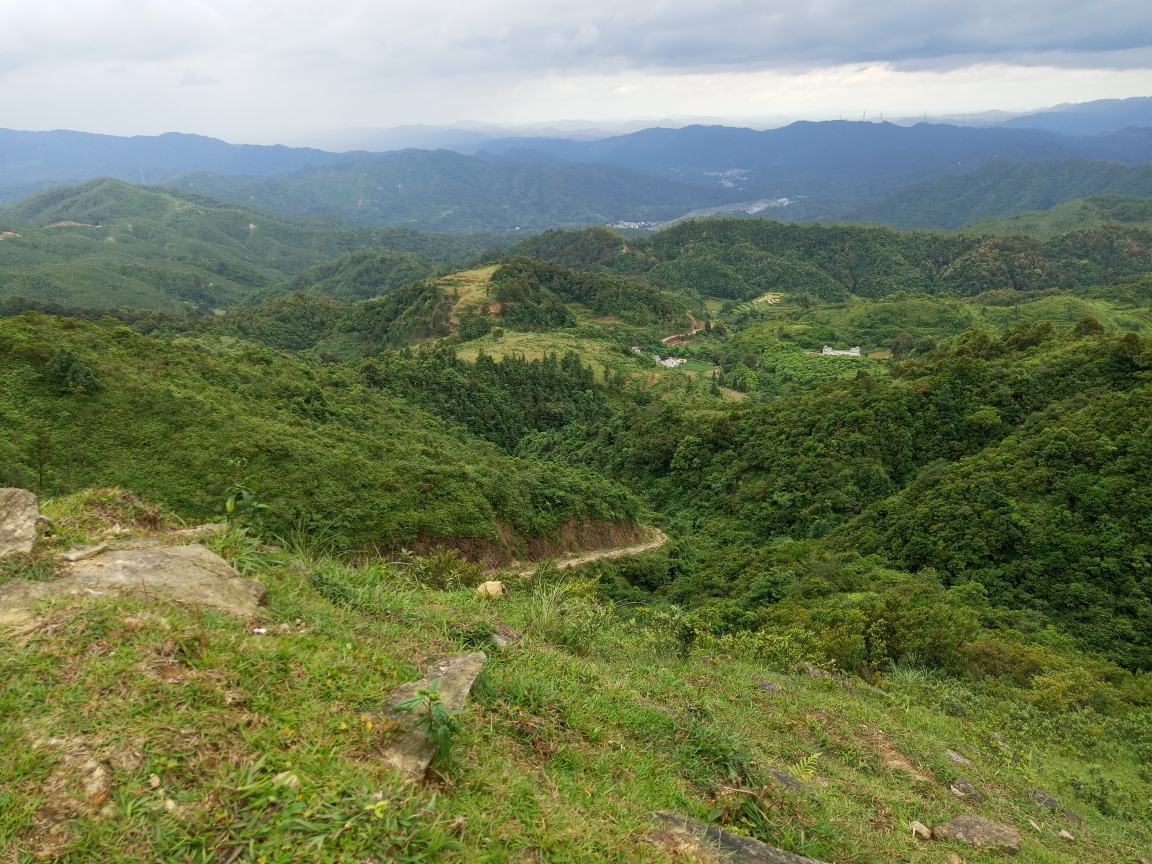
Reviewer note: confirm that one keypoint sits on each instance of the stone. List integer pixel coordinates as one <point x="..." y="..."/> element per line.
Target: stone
<point x="953" y="858"/>
<point x="19" y="512"/>
<point x="783" y="778"/>
<point x="812" y="670"/>
<point x="79" y="553"/>
<point x="681" y="846"/>
<point x="735" y="848"/>
<point x="1043" y="799"/>
<point x="1146" y="861"/>
<point x="963" y="787"/>
<point x="491" y="588"/>
<point x="978" y="832"/>
<point x="410" y="752"/>
<point x="958" y="758"/>
<point x="287" y="779"/>
<point x="1071" y="816"/>
<point x="920" y="831"/>
<point x="503" y="635"/>
<point x="768" y="686"/>
<point x="1064" y="835"/>
<point x="193" y="575"/>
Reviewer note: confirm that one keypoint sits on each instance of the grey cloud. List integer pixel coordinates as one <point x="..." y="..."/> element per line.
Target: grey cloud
<point x="370" y="37"/>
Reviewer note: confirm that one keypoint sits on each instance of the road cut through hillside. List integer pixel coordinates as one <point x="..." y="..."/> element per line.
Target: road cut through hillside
<point x="656" y="539"/>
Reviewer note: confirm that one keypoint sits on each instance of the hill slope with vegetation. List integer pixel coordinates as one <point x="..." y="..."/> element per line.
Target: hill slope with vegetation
<point x="106" y="243"/>
<point x="945" y="539"/>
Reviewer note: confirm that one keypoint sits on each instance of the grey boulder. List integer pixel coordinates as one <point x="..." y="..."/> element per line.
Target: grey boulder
<point x="19" y="511"/>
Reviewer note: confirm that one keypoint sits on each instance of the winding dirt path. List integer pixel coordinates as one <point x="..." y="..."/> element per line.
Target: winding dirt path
<point x="676" y="338"/>
<point x="655" y="540"/>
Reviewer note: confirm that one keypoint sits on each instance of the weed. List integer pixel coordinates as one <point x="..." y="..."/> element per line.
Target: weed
<point x="435" y="719"/>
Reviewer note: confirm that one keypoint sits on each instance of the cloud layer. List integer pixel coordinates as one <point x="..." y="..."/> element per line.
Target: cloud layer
<point x="413" y="62"/>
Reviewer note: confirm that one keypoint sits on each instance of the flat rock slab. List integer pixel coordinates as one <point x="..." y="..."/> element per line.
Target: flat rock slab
<point x="191" y="574"/>
<point x="979" y="832"/>
<point x="19" y="511"/>
<point x="410" y="752"/>
<point x="735" y="847"/>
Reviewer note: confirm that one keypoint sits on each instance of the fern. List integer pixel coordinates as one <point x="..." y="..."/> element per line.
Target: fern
<point x="805" y="769"/>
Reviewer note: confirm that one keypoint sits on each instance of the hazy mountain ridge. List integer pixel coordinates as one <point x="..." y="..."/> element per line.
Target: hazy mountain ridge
<point x="446" y="191"/>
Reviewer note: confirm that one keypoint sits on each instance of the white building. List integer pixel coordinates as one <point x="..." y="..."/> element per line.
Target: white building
<point x="851" y="352"/>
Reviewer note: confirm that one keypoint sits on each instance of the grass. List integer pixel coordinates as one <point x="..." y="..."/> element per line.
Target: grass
<point x="578" y="733"/>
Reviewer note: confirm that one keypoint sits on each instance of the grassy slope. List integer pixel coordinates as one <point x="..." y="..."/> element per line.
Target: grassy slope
<point x="582" y="733"/>
<point x="321" y="447"/>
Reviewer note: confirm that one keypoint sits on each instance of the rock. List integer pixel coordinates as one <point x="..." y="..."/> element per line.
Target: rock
<point x="1064" y="835"/>
<point x="783" y="778"/>
<point x="79" y="553"/>
<point x="1146" y="861"/>
<point x="1037" y="828"/>
<point x="975" y="798"/>
<point x="962" y="787"/>
<point x="410" y="752"/>
<point x="1043" y="799"/>
<point x="503" y="635"/>
<point x="812" y="670"/>
<point x="193" y="575"/>
<point x="1071" y="816"/>
<point x="154" y="781"/>
<point x="734" y="847"/>
<point x="958" y="758"/>
<point x="920" y="831"/>
<point x="953" y="858"/>
<point x="287" y="779"/>
<point x="19" y="512"/>
<point x="197" y="530"/>
<point x="768" y="686"/>
<point x="682" y="846"/>
<point x="492" y="588"/>
<point x="978" y="831"/>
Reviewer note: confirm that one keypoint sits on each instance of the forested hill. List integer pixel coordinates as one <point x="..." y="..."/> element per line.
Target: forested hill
<point x="740" y="259"/>
<point x="1003" y="188"/>
<point x="106" y="243"/>
<point x="445" y="191"/>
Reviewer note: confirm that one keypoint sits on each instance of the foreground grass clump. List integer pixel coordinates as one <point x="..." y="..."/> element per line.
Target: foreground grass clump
<point x="132" y="732"/>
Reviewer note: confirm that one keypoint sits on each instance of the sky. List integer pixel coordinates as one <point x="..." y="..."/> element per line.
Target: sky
<point x="299" y="71"/>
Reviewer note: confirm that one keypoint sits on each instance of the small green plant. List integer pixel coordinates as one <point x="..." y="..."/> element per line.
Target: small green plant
<point x="241" y="502"/>
<point x="242" y="551"/>
<point x="438" y="723"/>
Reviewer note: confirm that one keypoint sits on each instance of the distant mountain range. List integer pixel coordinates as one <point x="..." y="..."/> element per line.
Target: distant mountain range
<point x="33" y="160"/>
<point x="836" y="160"/>
<point x="444" y="191"/>
<point x="829" y="170"/>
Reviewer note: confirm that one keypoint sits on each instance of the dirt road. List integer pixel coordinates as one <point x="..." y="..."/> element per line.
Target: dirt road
<point x="655" y="540"/>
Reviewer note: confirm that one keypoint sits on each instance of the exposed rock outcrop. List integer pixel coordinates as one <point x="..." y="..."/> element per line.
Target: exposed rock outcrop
<point x="192" y="574"/>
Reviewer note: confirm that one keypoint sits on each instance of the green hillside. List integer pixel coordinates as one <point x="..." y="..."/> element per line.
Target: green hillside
<point x="323" y="448"/>
<point x="1001" y="189"/>
<point x="1091" y="212"/>
<point x="445" y="191"/>
<point x="742" y="259"/>
<point x="106" y="244"/>
<point x="870" y="561"/>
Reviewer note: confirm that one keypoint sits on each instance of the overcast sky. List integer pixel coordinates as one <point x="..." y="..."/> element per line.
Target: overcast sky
<point x="260" y="71"/>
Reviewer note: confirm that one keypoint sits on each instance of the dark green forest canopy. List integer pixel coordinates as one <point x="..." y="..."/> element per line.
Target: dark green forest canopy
<point x="324" y="450"/>
<point x="743" y="258"/>
<point x="938" y="466"/>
